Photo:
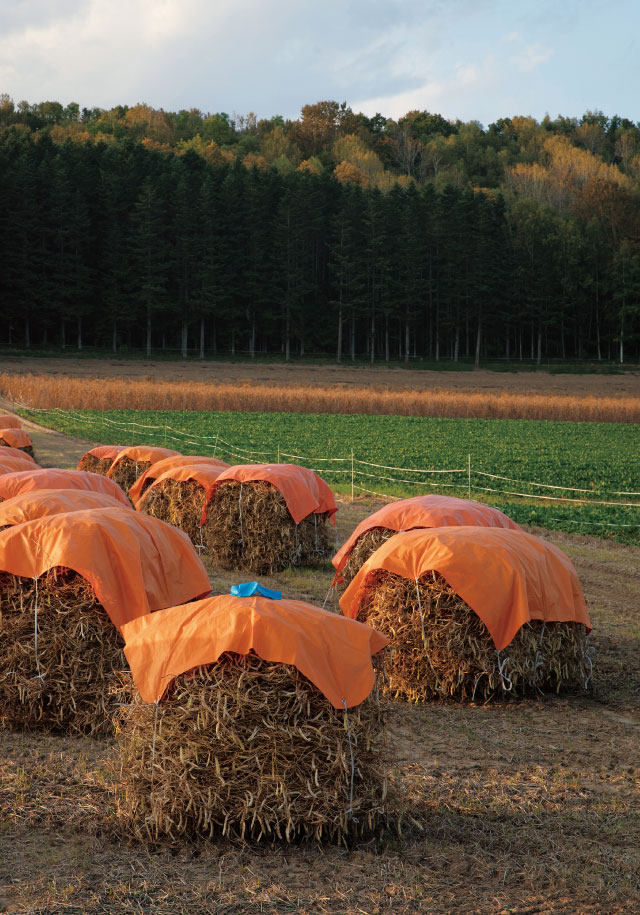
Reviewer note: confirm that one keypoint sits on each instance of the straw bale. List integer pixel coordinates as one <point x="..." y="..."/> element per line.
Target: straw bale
<point x="127" y="472"/>
<point x="65" y="683"/>
<point x="252" y="750"/>
<point x="28" y="449"/>
<point x="364" y="547"/>
<point x="441" y="647"/>
<point x="92" y="464"/>
<point x="249" y="527"/>
<point x="177" y="503"/>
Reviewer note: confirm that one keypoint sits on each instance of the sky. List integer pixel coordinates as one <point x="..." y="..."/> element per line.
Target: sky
<point x="468" y="59"/>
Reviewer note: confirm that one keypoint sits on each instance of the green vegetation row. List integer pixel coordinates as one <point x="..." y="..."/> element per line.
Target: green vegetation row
<point x="601" y="458"/>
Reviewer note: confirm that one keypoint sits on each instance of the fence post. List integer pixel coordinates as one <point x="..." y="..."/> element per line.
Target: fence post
<point x="352" y="474"/>
<point x="469" y="472"/>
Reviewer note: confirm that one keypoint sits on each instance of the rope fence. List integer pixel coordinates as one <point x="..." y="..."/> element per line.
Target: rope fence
<point x="359" y="474"/>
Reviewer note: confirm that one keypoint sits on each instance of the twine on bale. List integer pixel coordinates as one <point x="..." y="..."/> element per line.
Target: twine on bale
<point x="127" y="471"/>
<point x="178" y="503"/>
<point x="441" y="648"/>
<point x="249" y="527"/>
<point x="249" y="750"/>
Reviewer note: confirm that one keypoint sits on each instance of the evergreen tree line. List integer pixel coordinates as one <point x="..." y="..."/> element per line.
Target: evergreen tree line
<point x="121" y="245"/>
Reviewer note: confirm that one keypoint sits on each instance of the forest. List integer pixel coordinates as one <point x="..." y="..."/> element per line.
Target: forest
<point x="336" y="234"/>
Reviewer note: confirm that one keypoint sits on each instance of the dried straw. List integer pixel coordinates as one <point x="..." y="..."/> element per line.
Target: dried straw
<point x="179" y="504"/>
<point x="249" y="749"/>
<point x="127" y="472"/>
<point x="64" y="681"/>
<point x="28" y="449"/>
<point x="364" y="547"/>
<point x="92" y="464"/>
<point x="249" y="527"/>
<point x="441" y="647"/>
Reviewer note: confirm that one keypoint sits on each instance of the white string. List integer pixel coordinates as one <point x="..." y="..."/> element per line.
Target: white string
<point x="587" y="646"/>
<point x="539" y="660"/>
<point x="35" y="633"/>
<point x="353" y="768"/>
<point x="503" y="675"/>
<point x="153" y="743"/>
<point x="424" y="638"/>
<point x="324" y="603"/>
<point x="240" y="510"/>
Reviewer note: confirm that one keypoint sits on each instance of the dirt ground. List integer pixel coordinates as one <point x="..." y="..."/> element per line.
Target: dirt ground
<point x="513" y="808"/>
<point x="541" y="382"/>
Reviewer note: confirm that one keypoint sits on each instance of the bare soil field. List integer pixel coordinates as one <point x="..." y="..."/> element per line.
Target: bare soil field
<point x="397" y="379"/>
<point x="513" y="808"/>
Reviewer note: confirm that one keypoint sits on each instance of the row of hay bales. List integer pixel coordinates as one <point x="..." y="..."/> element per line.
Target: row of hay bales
<point x="13" y="437"/>
<point x="261" y="722"/>
<point x="260" y="518"/>
<point x="244" y="715"/>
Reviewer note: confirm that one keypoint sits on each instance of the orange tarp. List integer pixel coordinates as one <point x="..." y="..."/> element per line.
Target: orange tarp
<point x="13" y="484"/>
<point x="425" y="511"/>
<point x="141" y="453"/>
<point x="204" y="474"/>
<point x="17" y="438"/>
<point x="9" y="422"/>
<point x="17" y="453"/>
<point x="331" y="651"/>
<point x="303" y="490"/>
<point x="9" y="463"/>
<point x="104" y="451"/>
<point x="179" y="460"/>
<point x="134" y="563"/>
<point x="507" y="577"/>
<point x="40" y="503"/>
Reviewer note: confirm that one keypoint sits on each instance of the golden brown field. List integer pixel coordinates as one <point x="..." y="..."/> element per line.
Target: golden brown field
<point x="518" y="808"/>
<point x="43" y="391"/>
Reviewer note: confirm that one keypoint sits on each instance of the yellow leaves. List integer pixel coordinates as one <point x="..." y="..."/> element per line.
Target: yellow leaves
<point x="345" y="172"/>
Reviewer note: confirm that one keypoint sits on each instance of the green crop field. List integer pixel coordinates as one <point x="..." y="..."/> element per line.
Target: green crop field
<point x="592" y="462"/>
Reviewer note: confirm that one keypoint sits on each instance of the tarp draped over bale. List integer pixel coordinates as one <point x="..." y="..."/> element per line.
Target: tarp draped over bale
<point x="333" y="652"/>
<point x="9" y="463"/>
<point x="16" y="438"/>
<point x="133" y="461"/>
<point x="8" y="451"/>
<point x="7" y="421"/>
<point x="100" y="458"/>
<point x="266" y="517"/>
<point x="177" y="497"/>
<point x="507" y="577"/>
<point x="303" y="490"/>
<point x="52" y="478"/>
<point x="171" y="463"/>
<point x="452" y="599"/>
<point x="67" y="583"/>
<point x="135" y="564"/>
<point x="250" y="735"/>
<point x="41" y="503"/>
<point x="411" y="514"/>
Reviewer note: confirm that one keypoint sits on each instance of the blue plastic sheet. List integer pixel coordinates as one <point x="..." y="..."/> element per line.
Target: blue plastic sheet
<point x="249" y="588"/>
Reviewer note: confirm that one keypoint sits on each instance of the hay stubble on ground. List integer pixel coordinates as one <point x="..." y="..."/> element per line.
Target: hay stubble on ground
<point x="525" y="807"/>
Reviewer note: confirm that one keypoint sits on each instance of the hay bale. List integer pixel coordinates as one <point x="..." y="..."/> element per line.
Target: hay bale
<point x="249" y="527"/>
<point x="249" y="749"/>
<point x="64" y="682"/>
<point x="441" y="647"/>
<point x="179" y="503"/>
<point x="28" y="449"/>
<point x="93" y="464"/>
<point x="364" y="547"/>
<point x="127" y="471"/>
